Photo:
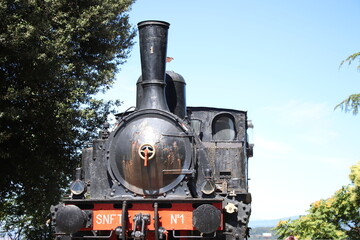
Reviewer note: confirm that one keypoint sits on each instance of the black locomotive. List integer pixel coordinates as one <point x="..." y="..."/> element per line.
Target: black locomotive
<point x="166" y="170"/>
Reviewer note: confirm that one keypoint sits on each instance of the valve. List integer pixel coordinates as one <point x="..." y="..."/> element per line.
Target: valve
<point x="146" y="152"/>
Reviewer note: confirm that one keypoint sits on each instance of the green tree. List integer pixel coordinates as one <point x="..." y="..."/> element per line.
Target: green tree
<point x="55" y="55"/>
<point x="351" y="103"/>
<point x="337" y="217"/>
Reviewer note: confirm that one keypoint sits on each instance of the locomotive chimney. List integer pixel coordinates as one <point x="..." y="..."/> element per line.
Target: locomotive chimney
<point x="153" y="44"/>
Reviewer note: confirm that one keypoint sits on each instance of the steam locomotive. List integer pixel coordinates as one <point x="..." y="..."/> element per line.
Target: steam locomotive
<point x="166" y="171"/>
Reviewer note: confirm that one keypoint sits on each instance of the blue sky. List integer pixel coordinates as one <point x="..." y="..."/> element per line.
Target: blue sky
<point x="278" y="60"/>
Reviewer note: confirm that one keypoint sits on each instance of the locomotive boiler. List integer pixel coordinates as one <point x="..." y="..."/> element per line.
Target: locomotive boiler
<point x="166" y="170"/>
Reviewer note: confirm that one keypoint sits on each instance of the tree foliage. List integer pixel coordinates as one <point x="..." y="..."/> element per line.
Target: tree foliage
<point x="55" y="55"/>
<point x="352" y="103"/>
<point x="337" y="217"/>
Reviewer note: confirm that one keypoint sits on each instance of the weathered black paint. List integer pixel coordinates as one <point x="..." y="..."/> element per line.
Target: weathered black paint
<point x="175" y="93"/>
<point x="206" y="218"/>
<point x="153" y="44"/>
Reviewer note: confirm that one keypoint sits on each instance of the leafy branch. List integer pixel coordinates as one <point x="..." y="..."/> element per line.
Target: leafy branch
<point x="350" y="59"/>
<point x="350" y="104"/>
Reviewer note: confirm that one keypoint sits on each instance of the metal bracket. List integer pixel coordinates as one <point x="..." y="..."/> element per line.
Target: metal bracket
<point x="140" y="222"/>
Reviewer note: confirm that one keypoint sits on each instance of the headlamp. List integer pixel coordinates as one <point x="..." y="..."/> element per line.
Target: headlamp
<point x="78" y="187"/>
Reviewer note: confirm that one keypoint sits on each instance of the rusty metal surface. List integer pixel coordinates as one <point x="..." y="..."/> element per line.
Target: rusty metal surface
<point x="172" y="152"/>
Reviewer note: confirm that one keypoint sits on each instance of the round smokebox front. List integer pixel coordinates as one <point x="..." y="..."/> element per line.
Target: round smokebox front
<point x="148" y="151"/>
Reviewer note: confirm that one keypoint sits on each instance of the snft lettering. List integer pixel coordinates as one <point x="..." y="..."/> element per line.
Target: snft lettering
<point x="108" y="218"/>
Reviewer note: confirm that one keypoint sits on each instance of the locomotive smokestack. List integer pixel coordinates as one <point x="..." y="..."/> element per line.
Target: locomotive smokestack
<point x="153" y="44"/>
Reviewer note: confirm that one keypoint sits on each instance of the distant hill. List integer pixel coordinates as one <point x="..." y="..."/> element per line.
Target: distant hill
<point x="269" y="223"/>
<point x="263" y="233"/>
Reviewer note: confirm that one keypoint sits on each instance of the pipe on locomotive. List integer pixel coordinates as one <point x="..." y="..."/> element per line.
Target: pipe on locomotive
<point x="153" y="46"/>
